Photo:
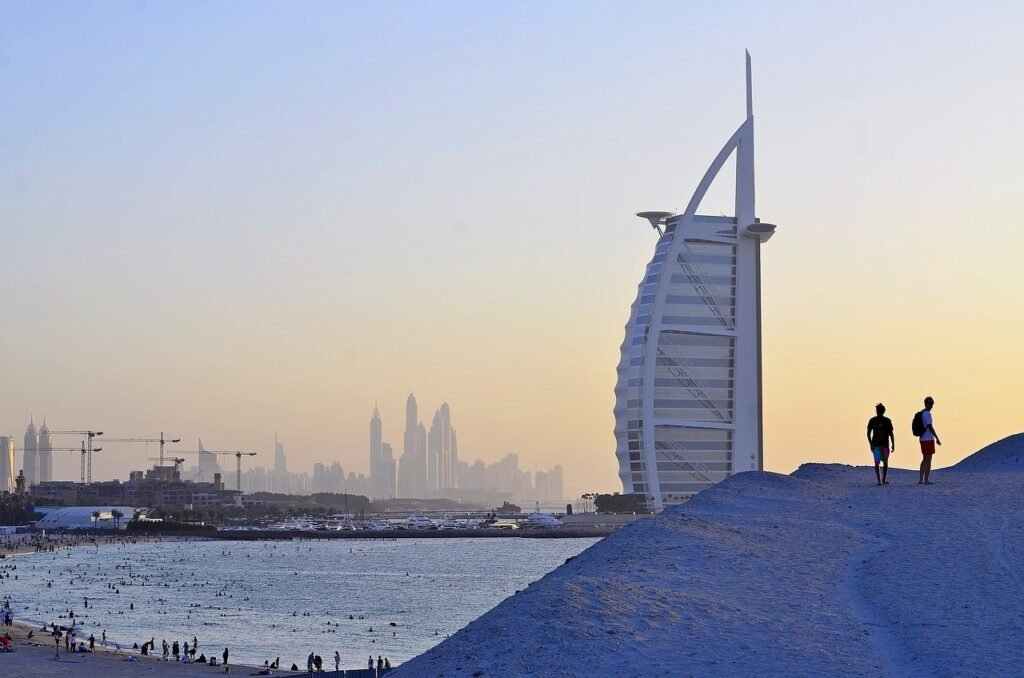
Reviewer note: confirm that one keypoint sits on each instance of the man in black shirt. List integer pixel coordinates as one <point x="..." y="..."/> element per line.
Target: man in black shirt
<point x="880" y="433"/>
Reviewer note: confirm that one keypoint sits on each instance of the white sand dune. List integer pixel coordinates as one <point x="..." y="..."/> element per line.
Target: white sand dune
<point x="818" y="573"/>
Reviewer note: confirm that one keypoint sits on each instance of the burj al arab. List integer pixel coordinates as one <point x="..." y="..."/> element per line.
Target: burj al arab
<point x="688" y="408"/>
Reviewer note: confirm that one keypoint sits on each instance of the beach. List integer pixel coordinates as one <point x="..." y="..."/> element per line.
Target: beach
<point x="265" y="600"/>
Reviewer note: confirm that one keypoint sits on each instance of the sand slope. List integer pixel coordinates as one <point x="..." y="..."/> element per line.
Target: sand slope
<point x="821" y="572"/>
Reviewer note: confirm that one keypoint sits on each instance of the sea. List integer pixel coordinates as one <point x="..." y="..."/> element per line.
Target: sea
<point x="270" y="599"/>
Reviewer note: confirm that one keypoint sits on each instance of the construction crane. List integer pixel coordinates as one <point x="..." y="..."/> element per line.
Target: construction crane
<point x="73" y="449"/>
<point x="87" y="448"/>
<point x="162" y="440"/>
<point x="233" y="453"/>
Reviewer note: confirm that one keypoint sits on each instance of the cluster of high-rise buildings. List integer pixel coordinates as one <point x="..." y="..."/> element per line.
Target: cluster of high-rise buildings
<point x="36" y="457"/>
<point x="430" y="466"/>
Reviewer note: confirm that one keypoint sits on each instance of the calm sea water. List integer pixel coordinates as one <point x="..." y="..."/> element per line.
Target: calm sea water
<point x="270" y="599"/>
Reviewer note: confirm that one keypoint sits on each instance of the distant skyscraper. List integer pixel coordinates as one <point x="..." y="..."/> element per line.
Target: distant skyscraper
<point x="386" y="471"/>
<point x="319" y="478"/>
<point x="408" y="474"/>
<point x="421" y="459"/>
<point x="688" y="397"/>
<point x="30" y="451"/>
<point x="435" y="443"/>
<point x="7" y="472"/>
<point x="444" y="458"/>
<point x="208" y="465"/>
<point x="45" y="454"/>
<point x="280" y="461"/>
<point x="382" y="462"/>
<point x="454" y="460"/>
<point x="556" y="482"/>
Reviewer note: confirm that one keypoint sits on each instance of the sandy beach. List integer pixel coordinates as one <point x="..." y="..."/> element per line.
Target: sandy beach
<point x="36" y="658"/>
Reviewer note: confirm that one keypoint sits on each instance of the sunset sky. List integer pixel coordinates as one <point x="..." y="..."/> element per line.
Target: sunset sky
<point x="219" y="220"/>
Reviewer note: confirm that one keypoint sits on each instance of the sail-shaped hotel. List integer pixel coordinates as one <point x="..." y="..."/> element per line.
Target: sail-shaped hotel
<point x="688" y="396"/>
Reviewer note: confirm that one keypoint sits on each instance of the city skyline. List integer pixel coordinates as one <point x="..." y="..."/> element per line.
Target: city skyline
<point x="480" y="482"/>
<point x="244" y="228"/>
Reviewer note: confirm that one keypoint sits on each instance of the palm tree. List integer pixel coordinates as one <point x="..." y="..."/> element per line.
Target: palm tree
<point x="95" y="518"/>
<point x="116" y="515"/>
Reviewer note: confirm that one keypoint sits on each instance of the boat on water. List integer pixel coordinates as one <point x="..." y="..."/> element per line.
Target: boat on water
<point x="415" y="522"/>
<point x="542" y="521"/>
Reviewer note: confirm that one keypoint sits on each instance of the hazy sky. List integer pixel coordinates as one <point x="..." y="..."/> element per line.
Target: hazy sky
<point x="222" y="219"/>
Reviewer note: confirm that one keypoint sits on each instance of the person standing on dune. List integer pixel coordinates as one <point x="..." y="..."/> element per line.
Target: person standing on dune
<point x="880" y="433"/>
<point x="929" y="439"/>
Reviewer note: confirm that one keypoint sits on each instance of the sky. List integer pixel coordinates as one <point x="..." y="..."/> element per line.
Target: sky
<point x="222" y="220"/>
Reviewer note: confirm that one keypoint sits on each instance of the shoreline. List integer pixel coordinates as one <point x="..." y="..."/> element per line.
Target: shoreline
<point x="37" y="657"/>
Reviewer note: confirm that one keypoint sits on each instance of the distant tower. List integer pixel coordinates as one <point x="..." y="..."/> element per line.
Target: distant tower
<point x="45" y="452"/>
<point x="208" y="465"/>
<point x="7" y="464"/>
<point x="444" y="459"/>
<point x="688" y="397"/>
<point x="434" y="447"/>
<point x="376" y="453"/>
<point x="421" y="459"/>
<point x="280" y="461"/>
<point x="454" y="456"/>
<point x="408" y="469"/>
<point x="31" y="454"/>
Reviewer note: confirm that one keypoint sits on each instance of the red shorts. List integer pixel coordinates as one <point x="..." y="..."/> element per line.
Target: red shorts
<point x="927" y="447"/>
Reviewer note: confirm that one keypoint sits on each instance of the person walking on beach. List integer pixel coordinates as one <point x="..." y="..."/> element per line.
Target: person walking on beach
<point x="225" y="655"/>
<point x="929" y="439"/>
<point x="337" y="661"/>
<point x="369" y="663"/>
<point x="309" y="663"/>
<point x="880" y="433"/>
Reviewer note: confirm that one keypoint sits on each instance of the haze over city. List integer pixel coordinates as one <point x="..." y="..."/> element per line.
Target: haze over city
<point x="223" y="225"/>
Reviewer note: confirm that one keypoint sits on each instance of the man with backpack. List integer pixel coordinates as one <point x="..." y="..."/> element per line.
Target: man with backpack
<point x="880" y="433"/>
<point x="922" y="428"/>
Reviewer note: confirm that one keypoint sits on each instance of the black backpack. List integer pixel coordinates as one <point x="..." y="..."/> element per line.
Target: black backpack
<point x="917" y="426"/>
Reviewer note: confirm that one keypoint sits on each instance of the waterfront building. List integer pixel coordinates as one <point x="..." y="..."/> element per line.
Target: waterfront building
<point x="30" y="454"/>
<point x="7" y="473"/>
<point x="44" y="452"/>
<point x="688" y="396"/>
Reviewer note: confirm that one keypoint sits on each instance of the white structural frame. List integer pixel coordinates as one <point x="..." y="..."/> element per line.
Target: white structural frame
<point x="729" y="320"/>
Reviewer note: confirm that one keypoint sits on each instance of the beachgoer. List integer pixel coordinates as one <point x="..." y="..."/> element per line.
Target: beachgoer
<point x="309" y="663"/>
<point x="225" y="655"/>
<point x="387" y="664"/>
<point x="337" y="660"/>
<point x="176" y="651"/>
<point x="103" y="642"/>
<point x="380" y="663"/>
<point x="295" y="667"/>
<point x="369" y="663"/>
<point x="929" y="439"/>
<point x="880" y="433"/>
<point x="318" y="663"/>
<point x="92" y="643"/>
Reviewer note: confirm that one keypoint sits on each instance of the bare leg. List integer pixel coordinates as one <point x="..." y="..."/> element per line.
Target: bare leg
<point x="927" y="464"/>
<point x="878" y="476"/>
<point x="920" y="476"/>
<point x="885" y="470"/>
